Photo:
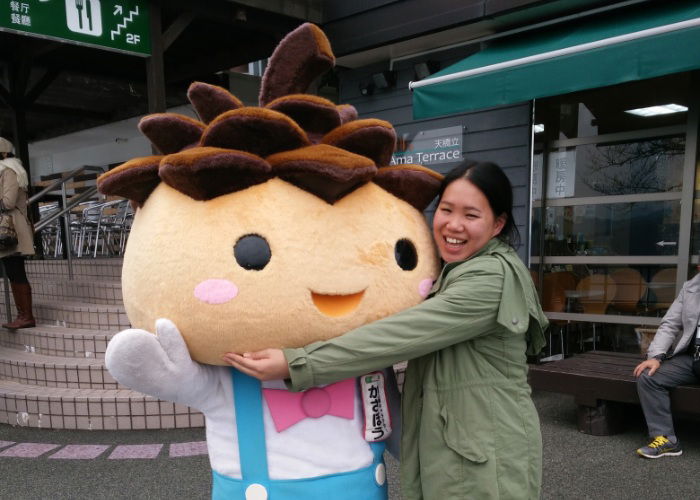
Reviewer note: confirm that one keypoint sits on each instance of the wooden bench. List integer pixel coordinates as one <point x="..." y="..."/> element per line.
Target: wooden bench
<point x="599" y="382"/>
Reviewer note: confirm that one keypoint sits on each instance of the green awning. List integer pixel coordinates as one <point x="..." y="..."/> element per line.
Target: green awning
<point x="644" y="43"/>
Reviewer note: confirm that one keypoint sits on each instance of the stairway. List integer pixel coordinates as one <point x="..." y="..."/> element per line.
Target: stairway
<point x="53" y="376"/>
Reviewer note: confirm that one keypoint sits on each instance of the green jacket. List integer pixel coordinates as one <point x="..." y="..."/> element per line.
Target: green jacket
<point x="470" y="429"/>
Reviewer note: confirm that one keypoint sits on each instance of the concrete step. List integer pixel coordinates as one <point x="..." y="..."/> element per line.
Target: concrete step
<point x="52" y="371"/>
<point x="53" y="375"/>
<point x="91" y="409"/>
<point x="58" y="341"/>
<point x="98" y="269"/>
<point x="75" y="314"/>
<point x="101" y="291"/>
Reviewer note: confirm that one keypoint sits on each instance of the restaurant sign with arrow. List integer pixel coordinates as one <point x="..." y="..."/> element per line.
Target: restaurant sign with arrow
<point x="119" y="25"/>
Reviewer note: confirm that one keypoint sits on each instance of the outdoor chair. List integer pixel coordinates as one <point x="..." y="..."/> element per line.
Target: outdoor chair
<point x="554" y="299"/>
<point x="630" y="289"/>
<point x="662" y="288"/>
<point x="103" y="228"/>
<point x="595" y="293"/>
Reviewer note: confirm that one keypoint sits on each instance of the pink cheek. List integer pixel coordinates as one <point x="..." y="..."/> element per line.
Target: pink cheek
<point x="215" y="291"/>
<point x="424" y="287"/>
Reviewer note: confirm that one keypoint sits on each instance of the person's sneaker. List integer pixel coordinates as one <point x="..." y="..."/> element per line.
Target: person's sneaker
<point x="660" y="447"/>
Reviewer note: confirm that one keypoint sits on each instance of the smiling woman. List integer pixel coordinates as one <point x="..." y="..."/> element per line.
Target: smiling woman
<point x="464" y="221"/>
<point x="475" y="205"/>
<point x="467" y="414"/>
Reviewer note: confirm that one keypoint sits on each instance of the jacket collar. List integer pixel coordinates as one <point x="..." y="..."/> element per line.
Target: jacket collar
<point x="519" y="310"/>
<point x="694" y="284"/>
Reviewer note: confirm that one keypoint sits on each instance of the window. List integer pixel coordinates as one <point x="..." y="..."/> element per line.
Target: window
<point x="607" y="236"/>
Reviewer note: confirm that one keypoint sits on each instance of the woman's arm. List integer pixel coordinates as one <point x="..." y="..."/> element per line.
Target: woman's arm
<point x="10" y="189"/>
<point x="467" y="308"/>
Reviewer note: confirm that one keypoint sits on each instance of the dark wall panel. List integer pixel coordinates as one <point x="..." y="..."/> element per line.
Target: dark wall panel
<point x="338" y="9"/>
<point x="508" y="157"/>
<point x="399" y="21"/>
<point x="499" y="135"/>
<point x="385" y="22"/>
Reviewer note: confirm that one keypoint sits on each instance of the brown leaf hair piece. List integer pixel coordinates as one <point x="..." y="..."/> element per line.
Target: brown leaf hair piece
<point x="326" y="171"/>
<point x="257" y="130"/>
<point x="373" y="138"/>
<point x="414" y="184"/>
<point x="171" y="132"/>
<point x="211" y="100"/>
<point x="204" y="173"/>
<point x="316" y="115"/>
<point x="244" y="146"/>
<point x="301" y="56"/>
<point x="347" y="113"/>
<point x="135" y="179"/>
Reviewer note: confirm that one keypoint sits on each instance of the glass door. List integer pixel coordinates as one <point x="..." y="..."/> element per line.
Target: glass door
<point x="610" y="231"/>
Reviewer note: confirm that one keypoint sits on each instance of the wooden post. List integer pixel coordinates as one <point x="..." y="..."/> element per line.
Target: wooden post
<point x="19" y="74"/>
<point x="19" y="131"/>
<point x="155" y="69"/>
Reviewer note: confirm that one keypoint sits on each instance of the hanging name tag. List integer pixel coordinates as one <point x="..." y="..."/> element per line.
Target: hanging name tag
<point x="377" y="418"/>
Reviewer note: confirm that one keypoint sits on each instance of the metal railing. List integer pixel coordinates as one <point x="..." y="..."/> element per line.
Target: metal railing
<point x="65" y="206"/>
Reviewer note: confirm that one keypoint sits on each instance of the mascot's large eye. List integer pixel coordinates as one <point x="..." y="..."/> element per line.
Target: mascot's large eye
<point x="405" y="253"/>
<point x="252" y="252"/>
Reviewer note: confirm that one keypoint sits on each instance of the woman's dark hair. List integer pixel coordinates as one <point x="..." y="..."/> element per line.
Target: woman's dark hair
<point x="490" y="179"/>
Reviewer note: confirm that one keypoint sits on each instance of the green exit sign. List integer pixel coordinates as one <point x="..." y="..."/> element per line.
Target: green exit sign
<point x="110" y="24"/>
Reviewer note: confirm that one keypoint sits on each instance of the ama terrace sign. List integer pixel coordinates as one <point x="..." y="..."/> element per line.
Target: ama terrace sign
<point x="119" y="25"/>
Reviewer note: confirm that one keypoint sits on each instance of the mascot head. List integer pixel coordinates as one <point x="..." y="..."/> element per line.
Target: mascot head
<point x="272" y="226"/>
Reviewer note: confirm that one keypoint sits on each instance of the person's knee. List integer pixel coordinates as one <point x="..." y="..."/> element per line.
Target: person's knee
<point x="645" y="381"/>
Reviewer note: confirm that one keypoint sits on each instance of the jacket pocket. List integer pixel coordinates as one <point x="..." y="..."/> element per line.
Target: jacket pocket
<point x="458" y="438"/>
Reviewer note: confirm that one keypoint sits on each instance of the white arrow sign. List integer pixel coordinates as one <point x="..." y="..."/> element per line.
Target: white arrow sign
<point x="130" y="37"/>
<point x="666" y="243"/>
<point x="118" y="10"/>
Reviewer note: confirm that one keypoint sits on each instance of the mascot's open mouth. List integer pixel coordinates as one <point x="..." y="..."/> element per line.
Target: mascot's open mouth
<point x="337" y="305"/>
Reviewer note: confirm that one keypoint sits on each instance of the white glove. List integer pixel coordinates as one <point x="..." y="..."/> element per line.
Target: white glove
<point x="159" y="365"/>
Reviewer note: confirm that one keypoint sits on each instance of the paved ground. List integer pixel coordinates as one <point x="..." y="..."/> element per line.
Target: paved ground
<point x="580" y="466"/>
<point x="577" y="466"/>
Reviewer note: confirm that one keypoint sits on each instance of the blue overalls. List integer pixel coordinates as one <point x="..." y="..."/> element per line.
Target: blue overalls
<point x="256" y="483"/>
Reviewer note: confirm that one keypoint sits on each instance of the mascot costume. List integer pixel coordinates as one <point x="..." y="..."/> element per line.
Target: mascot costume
<point x="270" y="226"/>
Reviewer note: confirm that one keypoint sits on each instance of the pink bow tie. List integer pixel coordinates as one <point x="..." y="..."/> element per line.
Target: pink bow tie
<point x="287" y="408"/>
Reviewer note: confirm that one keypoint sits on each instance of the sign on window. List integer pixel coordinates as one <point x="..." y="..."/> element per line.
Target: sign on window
<point x="561" y="175"/>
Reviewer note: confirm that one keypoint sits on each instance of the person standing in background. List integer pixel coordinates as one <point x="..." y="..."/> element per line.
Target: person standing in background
<point x="14" y="184"/>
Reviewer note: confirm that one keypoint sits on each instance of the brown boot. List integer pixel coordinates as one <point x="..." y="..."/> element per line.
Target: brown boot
<point x="22" y="293"/>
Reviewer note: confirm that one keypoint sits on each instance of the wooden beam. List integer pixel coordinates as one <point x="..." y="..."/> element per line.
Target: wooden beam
<point x="19" y="131"/>
<point x="176" y="28"/>
<point x="155" y="72"/>
<point x="215" y="61"/>
<point x="19" y="77"/>
<point x="47" y="79"/>
<point x="45" y="48"/>
<point x="69" y="111"/>
<point x="239" y="15"/>
<point x="5" y="96"/>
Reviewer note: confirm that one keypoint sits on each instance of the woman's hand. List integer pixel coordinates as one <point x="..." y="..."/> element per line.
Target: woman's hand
<point x="268" y="364"/>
